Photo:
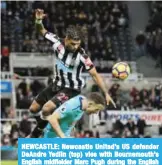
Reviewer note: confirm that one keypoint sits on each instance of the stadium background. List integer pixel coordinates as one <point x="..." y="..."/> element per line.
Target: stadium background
<point x="115" y="32"/>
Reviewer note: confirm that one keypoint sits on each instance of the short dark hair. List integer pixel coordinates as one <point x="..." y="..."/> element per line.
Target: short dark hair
<point x="76" y="32"/>
<point x="97" y="98"/>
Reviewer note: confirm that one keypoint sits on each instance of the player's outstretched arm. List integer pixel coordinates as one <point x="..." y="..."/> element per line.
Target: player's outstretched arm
<point x="54" y="121"/>
<point x="39" y="16"/>
<point x="99" y="81"/>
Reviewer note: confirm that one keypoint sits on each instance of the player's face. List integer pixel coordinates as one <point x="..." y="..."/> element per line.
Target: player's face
<point x="72" y="45"/>
<point x="94" y="108"/>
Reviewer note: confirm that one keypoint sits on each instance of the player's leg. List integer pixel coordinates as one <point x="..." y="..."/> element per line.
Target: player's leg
<point x="62" y="96"/>
<point x="40" y="100"/>
<point x="35" y="108"/>
<point x="34" y="111"/>
<point x="48" y="108"/>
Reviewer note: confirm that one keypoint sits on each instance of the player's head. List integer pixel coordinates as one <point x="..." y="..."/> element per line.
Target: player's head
<point x="73" y="38"/>
<point x="96" y="103"/>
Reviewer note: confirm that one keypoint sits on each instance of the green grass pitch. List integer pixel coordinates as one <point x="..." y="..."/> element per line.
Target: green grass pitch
<point x="9" y="162"/>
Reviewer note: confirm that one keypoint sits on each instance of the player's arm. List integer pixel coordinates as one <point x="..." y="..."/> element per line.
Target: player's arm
<point x="39" y="16"/>
<point x="100" y="82"/>
<point x="96" y="77"/>
<point x="54" y="121"/>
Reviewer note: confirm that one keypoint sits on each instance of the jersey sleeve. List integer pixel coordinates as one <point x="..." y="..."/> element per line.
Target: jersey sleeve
<point x="52" y="37"/>
<point x="88" y="64"/>
<point x="69" y="106"/>
<point x="62" y="111"/>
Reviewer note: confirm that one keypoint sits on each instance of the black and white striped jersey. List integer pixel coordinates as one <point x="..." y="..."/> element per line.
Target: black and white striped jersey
<point x="68" y="65"/>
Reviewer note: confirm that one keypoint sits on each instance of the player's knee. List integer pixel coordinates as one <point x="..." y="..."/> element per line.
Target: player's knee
<point x="34" y="108"/>
<point x="48" y="108"/>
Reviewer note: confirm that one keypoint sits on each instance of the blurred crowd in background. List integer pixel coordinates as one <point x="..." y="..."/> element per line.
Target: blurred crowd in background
<point x="126" y="100"/>
<point x="108" y="39"/>
<point x="117" y="129"/>
<point x="151" y="39"/>
<point x="106" y="24"/>
<point x="147" y="99"/>
<point x="22" y="37"/>
<point x="154" y="32"/>
<point x="12" y="130"/>
<point x="101" y="20"/>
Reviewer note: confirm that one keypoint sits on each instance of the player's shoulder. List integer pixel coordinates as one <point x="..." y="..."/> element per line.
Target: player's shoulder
<point x="75" y="101"/>
<point x="51" y="36"/>
<point x="82" y="50"/>
<point x="76" y="98"/>
<point x="83" y="53"/>
<point x="69" y="106"/>
<point x="80" y="96"/>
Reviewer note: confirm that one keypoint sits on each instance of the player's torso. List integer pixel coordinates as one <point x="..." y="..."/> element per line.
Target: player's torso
<point x="67" y="123"/>
<point x="72" y="115"/>
<point x="72" y="118"/>
<point x="66" y="60"/>
<point x="68" y="66"/>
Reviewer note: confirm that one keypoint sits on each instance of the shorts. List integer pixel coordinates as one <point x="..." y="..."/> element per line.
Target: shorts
<point x="56" y="94"/>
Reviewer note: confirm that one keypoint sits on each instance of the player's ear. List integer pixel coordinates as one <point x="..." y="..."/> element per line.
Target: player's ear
<point x="66" y="40"/>
<point x="91" y="103"/>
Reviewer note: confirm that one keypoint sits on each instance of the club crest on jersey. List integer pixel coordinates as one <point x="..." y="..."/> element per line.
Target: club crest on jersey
<point x="63" y="109"/>
<point x="60" y="47"/>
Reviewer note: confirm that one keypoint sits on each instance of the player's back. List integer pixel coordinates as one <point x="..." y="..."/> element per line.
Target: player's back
<point x="70" y="112"/>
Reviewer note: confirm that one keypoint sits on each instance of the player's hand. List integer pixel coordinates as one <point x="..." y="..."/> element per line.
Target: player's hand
<point x="39" y="14"/>
<point x="109" y="99"/>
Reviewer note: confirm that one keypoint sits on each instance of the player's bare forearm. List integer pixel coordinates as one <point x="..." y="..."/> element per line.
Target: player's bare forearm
<point x="40" y="28"/>
<point x="99" y="80"/>
<point x="53" y="120"/>
<point x="39" y="16"/>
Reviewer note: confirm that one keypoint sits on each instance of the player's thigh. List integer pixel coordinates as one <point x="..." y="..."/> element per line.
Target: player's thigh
<point x="60" y="97"/>
<point x="48" y="108"/>
<point x="34" y="107"/>
<point x="64" y="95"/>
<point x="43" y="97"/>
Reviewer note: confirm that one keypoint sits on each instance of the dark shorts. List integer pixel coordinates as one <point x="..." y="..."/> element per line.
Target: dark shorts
<point x="56" y="94"/>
